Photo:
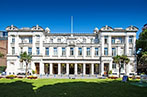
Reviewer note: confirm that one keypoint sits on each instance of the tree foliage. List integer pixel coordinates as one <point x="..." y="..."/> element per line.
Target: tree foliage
<point x="123" y="59"/>
<point x="1" y="55"/>
<point x="24" y="57"/>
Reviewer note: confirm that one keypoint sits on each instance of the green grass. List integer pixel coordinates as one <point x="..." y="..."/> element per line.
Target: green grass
<point x="69" y="88"/>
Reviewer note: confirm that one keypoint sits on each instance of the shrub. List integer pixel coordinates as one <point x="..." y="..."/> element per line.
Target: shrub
<point x="2" y="68"/>
<point x="32" y="77"/>
<point x="11" y="76"/>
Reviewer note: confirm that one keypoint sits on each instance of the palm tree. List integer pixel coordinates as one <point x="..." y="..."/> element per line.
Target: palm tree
<point x="24" y="57"/>
<point x="125" y="60"/>
<point x="117" y="59"/>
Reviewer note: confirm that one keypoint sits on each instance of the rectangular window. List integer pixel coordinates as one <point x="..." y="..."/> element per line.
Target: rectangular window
<point x="113" y="51"/>
<point x="122" y="66"/>
<point x="55" y="51"/>
<point x="63" y="52"/>
<point x="51" y="40"/>
<point x="47" y="51"/>
<point x="80" y="51"/>
<point x="130" y="52"/>
<point x="71" y="51"/>
<point x="30" y="40"/>
<point x="96" y="52"/>
<point x="130" y="39"/>
<point x="88" y="51"/>
<point x="114" y="65"/>
<point x="106" y="51"/>
<point x="106" y="39"/>
<point x="37" y="50"/>
<point x="21" y="50"/>
<point x="30" y="50"/>
<point x="84" y="40"/>
<point x="120" y="39"/>
<point x="37" y="38"/>
<point x="13" y="39"/>
<point x="113" y="40"/>
<point x="59" y="40"/>
<point x="13" y="50"/>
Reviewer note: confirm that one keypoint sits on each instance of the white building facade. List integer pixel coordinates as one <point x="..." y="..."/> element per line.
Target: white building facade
<point x="71" y="53"/>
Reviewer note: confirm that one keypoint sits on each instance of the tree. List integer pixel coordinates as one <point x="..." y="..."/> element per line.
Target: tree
<point x="121" y="60"/>
<point x="143" y="59"/>
<point x="24" y="57"/>
<point x="117" y="60"/>
<point x="125" y="60"/>
<point x="1" y="55"/>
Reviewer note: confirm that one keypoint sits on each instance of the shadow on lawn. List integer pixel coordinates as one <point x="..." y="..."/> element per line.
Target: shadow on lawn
<point x="72" y="89"/>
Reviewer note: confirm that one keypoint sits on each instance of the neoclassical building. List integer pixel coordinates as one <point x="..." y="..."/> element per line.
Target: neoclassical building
<point x="71" y="53"/>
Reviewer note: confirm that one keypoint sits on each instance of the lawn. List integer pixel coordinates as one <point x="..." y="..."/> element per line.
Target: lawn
<point x="69" y="88"/>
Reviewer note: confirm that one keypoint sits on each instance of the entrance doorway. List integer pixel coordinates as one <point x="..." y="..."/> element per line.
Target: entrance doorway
<point x="71" y="68"/>
<point x="55" y="68"/>
<point x="63" y="68"/>
<point x="88" y="68"/>
<point x="106" y="69"/>
<point x="96" y="68"/>
<point x="46" y="68"/>
<point x="37" y="68"/>
<point x="80" y="68"/>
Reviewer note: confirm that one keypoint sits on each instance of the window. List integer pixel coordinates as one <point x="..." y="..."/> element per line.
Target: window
<point x="130" y="39"/>
<point x="13" y="50"/>
<point x="30" y="39"/>
<point x="37" y="50"/>
<point x="113" y="40"/>
<point x="80" y="51"/>
<point x="47" y="51"/>
<point x="5" y="34"/>
<point x="55" y="51"/>
<point x="63" y="52"/>
<point x="84" y="40"/>
<point x="122" y="66"/>
<point x="113" y="51"/>
<point x="114" y="65"/>
<point x="106" y="39"/>
<point x="37" y="38"/>
<point x="13" y="39"/>
<point x="120" y="40"/>
<point x="88" y="51"/>
<point x="59" y="40"/>
<point x="105" y="51"/>
<point x="30" y="50"/>
<point x="21" y="50"/>
<point x="130" y="51"/>
<point x="51" y="40"/>
<point x="71" y="51"/>
<point x="92" y="40"/>
<point x="96" y="52"/>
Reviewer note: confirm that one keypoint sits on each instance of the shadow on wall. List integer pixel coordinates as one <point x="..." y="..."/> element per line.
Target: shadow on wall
<point x="72" y="89"/>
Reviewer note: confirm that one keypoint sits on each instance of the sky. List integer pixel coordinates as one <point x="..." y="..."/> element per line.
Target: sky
<point x="87" y="14"/>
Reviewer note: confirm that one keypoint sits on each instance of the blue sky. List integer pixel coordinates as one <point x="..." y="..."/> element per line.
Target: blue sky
<point x="88" y="14"/>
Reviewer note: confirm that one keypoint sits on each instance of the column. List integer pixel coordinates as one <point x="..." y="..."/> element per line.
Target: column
<point x="109" y="46"/>
<point x="16" y="45"/>
<point x="102" y="68"/>
<point x="41" y="44"/>
<point x="51" y="68"/>
<point x="33" y="45"/>
<point x="84" y="52"/>
<point x="41" y="68"/>
<point x="9" y="45"/>
<point x="67" y="68"/>
<point x="92" y="69"/>
<point x="76" y="69"/>
<point x="59" y="68"/>
<point x="110" y="65"/>
<point x="126" y="45"/>
<point x="102" y="45"/>
<point x="134" y="44"/>
<point x="92" y="52"/>
<point x="84" y="66"/>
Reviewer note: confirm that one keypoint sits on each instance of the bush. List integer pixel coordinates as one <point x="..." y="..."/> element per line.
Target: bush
<point x="32" y="77"/>
<point x="11" y="76"/>
<point x="2" y="68"/>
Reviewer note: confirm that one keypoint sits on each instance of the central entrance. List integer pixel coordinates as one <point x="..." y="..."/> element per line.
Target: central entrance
<point x="106" y="69"/>
<point x="71" y="68"/>
<point x="88" y="68"/>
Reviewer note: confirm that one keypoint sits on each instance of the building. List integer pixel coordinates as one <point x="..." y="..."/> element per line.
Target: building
<point x="3" y="47"/>
<point x="71" y="53"/>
